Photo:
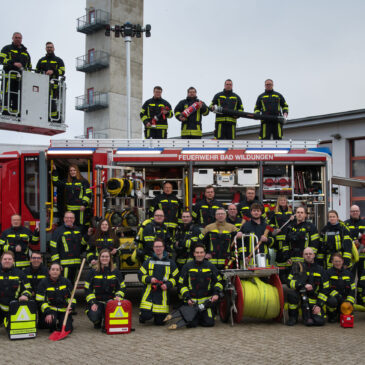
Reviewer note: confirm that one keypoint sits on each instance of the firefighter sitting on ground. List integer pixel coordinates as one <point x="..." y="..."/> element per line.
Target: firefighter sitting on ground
<point x="310" y="287"/>
<point x="103" y="283"/>
<point x="159" y="275"/>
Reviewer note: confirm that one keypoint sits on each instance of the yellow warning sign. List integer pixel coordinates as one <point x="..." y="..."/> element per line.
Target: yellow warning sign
<point x="119" y="313"/>
<point x="23" y="315"/>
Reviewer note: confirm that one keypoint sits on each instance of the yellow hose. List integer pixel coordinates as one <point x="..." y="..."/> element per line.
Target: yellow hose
<point x="261" y="300"/>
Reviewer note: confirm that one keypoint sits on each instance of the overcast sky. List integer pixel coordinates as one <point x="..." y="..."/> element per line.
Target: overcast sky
<point x="313" y="50"/>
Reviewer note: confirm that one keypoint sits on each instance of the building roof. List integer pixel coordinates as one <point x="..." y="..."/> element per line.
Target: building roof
<point x="347" y="116"/>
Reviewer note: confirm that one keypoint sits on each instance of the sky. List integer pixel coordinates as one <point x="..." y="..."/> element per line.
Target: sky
<point x="313" y="50"/>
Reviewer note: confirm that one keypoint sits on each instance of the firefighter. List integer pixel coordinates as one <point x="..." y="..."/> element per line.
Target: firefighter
<point x="66" y="246"/>
<point x="201" y="284"/>
<point x="171" y="206"/>
<point x="232" y="216"/>
<point x="244" y="207"/>
<point x="356" y="226"/>
<point x="310" y="287"/>
<point x="17" y="239"/>
<point x="15" y="58"/>
<point x="154" y="115"/>
<point x="255" y="231"/>
<point x="225" y="125"/>
<point x="341" y="287"/>
<point x="191" y="126"/>
<point x="272" y="103"/>
<point x="53" y="296"/>
<point x="158" y="274"/>
<point x="54" y="67"/>
<point x="77" y="193"/>
<point x="187" y="236"/>
<point x="36" y="272"/>
<point x="335" y="237"/>
<point x="217" y="238"/>
<point x="103" y="238"/>
<point x="103" y="283"/>
<point x="300" y="234"/>
<point x="147" y="234"/>
<point x="204" y="210"/>
<point x="282" y="214"/>
<point x="13" y="285"/>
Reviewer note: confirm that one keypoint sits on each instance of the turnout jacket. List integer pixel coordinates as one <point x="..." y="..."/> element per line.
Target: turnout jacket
<point x="11" y="54"/>
<point x="151" y="108"/>
<point x="35" y="276"/>
<point x="171" y="206"/>
<point x="187" y="235"/>
<point x="54" y="296"/>
<point x="217" y="239"/>
<point x="271" y="103"/>
<point x="355" y="227"/>
<point x="237" y="222"/>
<point x="204" y="212"/>
<point x="304" y="273"/>
<point x="300" y="236"/>
<point x="335" y="238"/>
<point x="244" y="208"/>
<point x="51" y="62"/>
<point x="199" y="281"/>
<point x="21" y="236"/>
<point x="227" y="100"/>
<point x="104" y="285"/>
<point x="193" y="125"/>
<point x="77" y="192"/>
<point x="154" y="298"/>
<point x="95" y="245"/>
<point x="147" y="235"/>
<point x="341" y="284"/>
<point x="257" y="229"/>
<point x="13" y="284"/>
<point x="66" y="245"/>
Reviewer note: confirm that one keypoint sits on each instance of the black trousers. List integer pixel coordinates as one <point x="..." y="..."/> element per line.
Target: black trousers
<point x="153" y="133"/>
<point x="97" y="316"/>
<point x="146" y="315"/>
<point x="269" y="129"/>
<point x="57" y="321"/>
<point x="225" y="130"/>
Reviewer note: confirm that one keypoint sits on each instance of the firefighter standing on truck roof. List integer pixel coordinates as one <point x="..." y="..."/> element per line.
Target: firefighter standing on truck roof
<point x="225" y="125"/>
<point x="217" y="238"/>
<point x="171" y="206"/>
<point x="154" y="115"/>
<point x="158" y="274"/>
<point x="77" y="193"/>
<point x="54" y="67"/>
<point x="204" y="210"/>
<point x="103" y="283"/>
<point x="200" y="284"/>
<point x="17" y="239"/>
<point x="14" y="57"/>
<point x="66" y="246"/>
<point x="13" y="285"/>
<point x="191" y="126"/>
<point x="272" y="103"/>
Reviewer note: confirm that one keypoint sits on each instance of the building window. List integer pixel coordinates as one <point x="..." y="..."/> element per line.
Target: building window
<point x="90" y="55"/>
<point x="90" y="95"/>
<point x="357" y="150"/>
<point x="92" y="16"/>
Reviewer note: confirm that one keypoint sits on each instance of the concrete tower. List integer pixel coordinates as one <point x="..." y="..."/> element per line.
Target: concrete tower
<point x="104" y="64"/>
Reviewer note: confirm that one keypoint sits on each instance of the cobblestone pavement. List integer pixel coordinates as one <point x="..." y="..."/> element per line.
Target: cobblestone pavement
<point x="255" y="342"/>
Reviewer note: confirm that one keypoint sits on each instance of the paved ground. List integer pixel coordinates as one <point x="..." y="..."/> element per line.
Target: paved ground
<point x="252" y="342"/>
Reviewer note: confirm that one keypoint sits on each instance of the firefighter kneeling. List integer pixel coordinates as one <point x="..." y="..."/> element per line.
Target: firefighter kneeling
<point x="201" y="286"/>
<point x="310" y="285"/>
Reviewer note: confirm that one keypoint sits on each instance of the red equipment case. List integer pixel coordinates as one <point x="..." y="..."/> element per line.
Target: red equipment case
<point x="118" y="317"/>
<point x="347" y="320"/>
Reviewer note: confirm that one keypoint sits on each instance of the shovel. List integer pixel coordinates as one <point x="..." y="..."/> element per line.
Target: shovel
<point x="57" y="335"/>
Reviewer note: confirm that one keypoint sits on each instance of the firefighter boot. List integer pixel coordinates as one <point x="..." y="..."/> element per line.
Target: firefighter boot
<point x="293" y="317"/>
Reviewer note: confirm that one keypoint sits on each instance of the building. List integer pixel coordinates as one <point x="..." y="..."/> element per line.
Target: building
<point x="104" y="63"/>
<point x="344" y="134"/>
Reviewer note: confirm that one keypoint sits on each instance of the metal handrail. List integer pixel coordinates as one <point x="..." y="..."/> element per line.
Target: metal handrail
<point x="99" y="57"/>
